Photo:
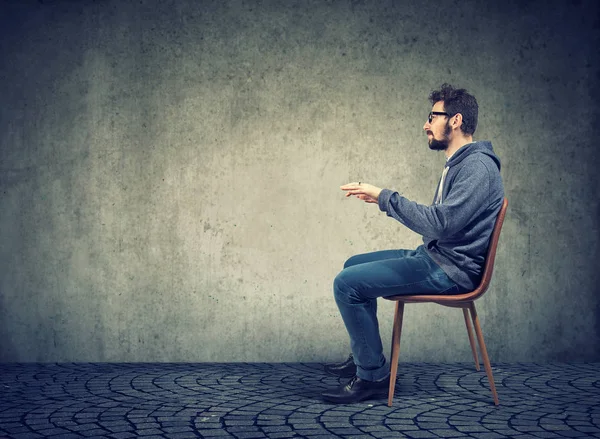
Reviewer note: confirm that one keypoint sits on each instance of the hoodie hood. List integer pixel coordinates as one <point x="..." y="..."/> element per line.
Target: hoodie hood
<point x="480" y="147"/>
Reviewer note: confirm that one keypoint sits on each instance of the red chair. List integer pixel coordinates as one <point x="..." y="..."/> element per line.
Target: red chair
<point x="465" y="301"/>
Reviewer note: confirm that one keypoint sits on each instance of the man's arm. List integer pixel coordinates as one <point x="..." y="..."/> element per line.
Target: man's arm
<point x="468" y="198"/>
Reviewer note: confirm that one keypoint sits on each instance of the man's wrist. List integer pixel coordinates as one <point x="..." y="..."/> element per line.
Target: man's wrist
<point x="383" y="199"/>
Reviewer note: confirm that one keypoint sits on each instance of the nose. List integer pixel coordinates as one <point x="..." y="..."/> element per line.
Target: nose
<point x="426" y="126"/>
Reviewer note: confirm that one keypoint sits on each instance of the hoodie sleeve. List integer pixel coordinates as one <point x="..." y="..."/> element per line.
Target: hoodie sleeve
<point x="468" y="197"/>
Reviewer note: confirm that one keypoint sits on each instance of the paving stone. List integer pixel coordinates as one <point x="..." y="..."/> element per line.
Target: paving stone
<point x="235" y="422"/>
<point x="208" y="425"/>
<point x="267" y="423"/>
<point x="311" y="431"/>
<point x="282" y="435"/>
<point x="555" y="427"/>
<point x="345" y="431"/>
<point x="387" y="434"/>
<point x="241" y="428"/>
<point x="472" y="428"/>
<point x="337" y="424"/>
<point x="177" y="429"/>
<point x="27" y="435"/>
<point x="214" y="433"/>
<point x="18" y="429"/>
<point x="421" y="434"/>
<point x="489" y="435"/>
<point x="373" y="428"/>
<point x="431" y="426"/>
<point x="144" y="424"/>
<point x="321" y="436"/>
<point x="149" y="432"/>
<point x="52" y="431"/>
<point x="183" y="435"/>
<point x="120" y="428"/>
<point x="304" y="425"/>
<point x="94" y="432"/>
<point x="276" y="429"/>
<point x="249" y="435"/>
<point x="122" y="435"/>
<point x="446" y="433"/>
<point x="66" y="436"/>
<point x="546" y="434"/>
<point x="572" y="433"/>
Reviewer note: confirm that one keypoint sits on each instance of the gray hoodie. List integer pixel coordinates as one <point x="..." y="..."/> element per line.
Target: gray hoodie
<point x="456" y="231"/>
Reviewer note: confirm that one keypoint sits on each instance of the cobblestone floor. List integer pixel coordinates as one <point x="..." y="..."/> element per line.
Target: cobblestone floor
<point x="246" y="401"/>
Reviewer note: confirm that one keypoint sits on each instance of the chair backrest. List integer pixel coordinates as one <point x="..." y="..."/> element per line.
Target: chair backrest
<point x="486" y="277"/>
<point x="488" y="268"/>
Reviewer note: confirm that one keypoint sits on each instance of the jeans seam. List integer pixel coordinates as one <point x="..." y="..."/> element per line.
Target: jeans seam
<point x="413" y="283"/>
<point x="449" y="288"/>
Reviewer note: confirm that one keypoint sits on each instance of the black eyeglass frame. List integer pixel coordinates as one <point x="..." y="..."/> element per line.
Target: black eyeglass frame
<point x="436" y="113"/>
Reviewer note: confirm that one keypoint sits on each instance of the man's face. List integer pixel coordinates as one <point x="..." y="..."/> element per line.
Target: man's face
<point x="438" y="130"/>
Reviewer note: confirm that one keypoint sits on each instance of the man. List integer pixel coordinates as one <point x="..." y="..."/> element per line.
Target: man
<point x="456" y="230"/>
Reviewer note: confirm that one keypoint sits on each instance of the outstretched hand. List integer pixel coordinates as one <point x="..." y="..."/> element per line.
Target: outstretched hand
<point x="363" y="191"/>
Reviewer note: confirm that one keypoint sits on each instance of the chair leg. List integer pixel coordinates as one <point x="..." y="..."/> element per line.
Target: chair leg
<point x="398" y="315"/>
<point x="484" y="354"/>
<point x="471" y="338"/>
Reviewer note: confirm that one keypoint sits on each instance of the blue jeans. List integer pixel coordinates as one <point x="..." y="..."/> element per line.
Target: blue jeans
<point x="384" y="273"/>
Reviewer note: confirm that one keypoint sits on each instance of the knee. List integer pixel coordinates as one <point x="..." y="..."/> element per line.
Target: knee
<point x="343" y="289"/>
<point x="353" y="260"/>
<point x="338" y="285"/>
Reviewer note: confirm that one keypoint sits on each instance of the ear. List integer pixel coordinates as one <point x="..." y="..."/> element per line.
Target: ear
<point x="457" y="121"/>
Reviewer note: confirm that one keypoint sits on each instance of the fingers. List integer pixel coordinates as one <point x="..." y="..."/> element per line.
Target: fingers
<point x="359" y="193"/>
<point x="350" y="186"/>
<point x="362" y="191"/>
<point x="361" y="196"/>
<point x="355" y="188"/>
<point x="366" y="198"/>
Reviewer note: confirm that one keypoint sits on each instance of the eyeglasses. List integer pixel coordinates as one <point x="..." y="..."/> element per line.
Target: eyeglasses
<point x="436" y="113"/>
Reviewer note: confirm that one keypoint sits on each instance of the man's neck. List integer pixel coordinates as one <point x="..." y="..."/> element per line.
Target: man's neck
<point x="456" y="144"/>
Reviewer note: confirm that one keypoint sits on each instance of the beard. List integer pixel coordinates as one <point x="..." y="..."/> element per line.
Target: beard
<point x="440" y="145"/>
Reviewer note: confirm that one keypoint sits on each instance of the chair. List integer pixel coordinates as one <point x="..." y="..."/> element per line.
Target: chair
<point x="465" y="301"/>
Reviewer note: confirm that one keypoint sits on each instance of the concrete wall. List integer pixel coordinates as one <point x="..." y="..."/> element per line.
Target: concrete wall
<point x="170" y="172"/>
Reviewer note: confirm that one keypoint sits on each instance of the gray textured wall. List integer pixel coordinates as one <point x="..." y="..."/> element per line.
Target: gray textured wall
<point x="170" y="172"/>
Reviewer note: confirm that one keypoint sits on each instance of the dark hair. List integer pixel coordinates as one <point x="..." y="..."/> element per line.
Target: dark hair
<point x="458" y="101"/>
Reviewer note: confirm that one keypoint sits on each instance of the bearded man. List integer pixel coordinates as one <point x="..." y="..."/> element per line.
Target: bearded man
<point x="456" y="230"/>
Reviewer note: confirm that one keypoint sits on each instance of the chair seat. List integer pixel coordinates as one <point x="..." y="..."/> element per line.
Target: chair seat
<point x="442" y="300"/>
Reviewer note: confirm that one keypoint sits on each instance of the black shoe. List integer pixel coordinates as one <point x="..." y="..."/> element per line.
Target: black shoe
<point x="345" y="369"/>
<point x="357" y="390"/>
